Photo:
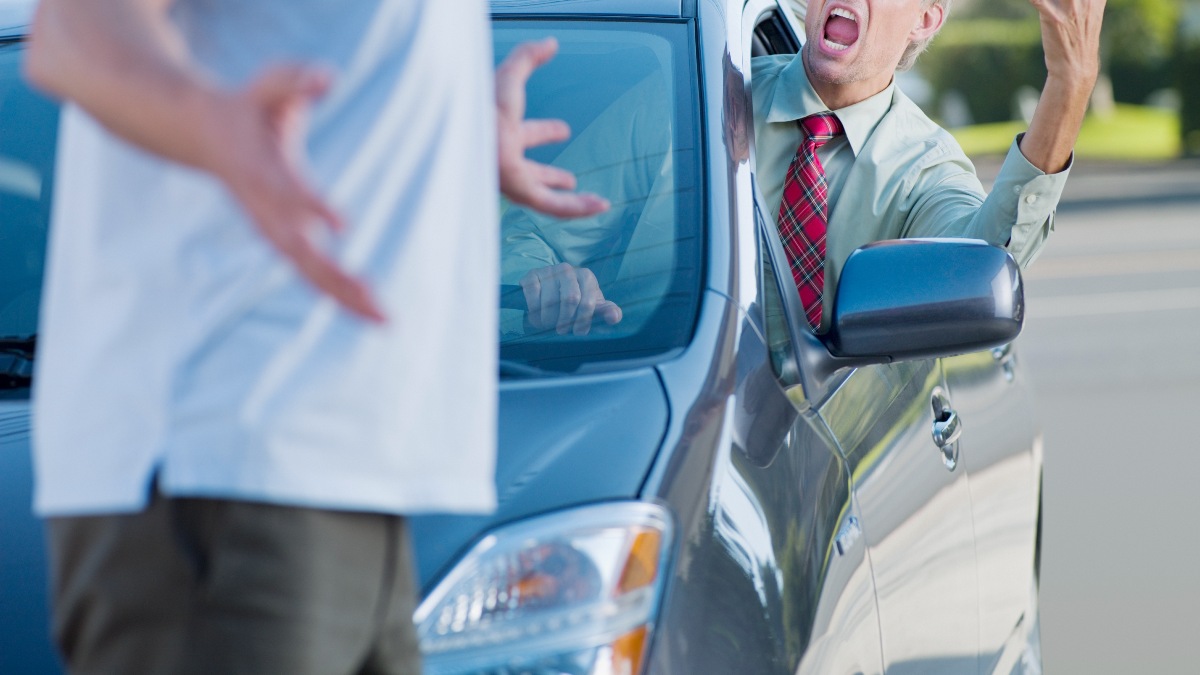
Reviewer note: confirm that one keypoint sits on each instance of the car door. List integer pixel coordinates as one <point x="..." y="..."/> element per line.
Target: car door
<point x="916" y="511"/>
<point x="841" y="611"/>
<point x="1002" y="456"/>
<point x="844" y="625"/>
<point x="913" y="498"/>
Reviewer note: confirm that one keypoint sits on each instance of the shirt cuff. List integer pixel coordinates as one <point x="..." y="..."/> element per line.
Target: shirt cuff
<point x="1033" y="196"/>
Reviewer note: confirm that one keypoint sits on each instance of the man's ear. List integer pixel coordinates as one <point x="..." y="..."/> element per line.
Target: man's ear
<point x="929" y="23"/>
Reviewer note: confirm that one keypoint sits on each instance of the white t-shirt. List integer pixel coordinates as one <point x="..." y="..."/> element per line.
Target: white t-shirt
<point x="174" y="342"/>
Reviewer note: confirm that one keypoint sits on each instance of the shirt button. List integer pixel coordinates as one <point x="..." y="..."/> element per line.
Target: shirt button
<point x="1016" y="189"/>
<point x="1029" y="199"/>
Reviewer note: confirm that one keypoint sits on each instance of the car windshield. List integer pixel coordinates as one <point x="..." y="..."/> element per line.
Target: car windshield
<point x="628" y="92"/>
<point x="627" y="89"/>
<point x="28" y="126"/>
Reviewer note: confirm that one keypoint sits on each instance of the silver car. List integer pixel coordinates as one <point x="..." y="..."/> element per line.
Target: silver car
<point x="696" y="485"/>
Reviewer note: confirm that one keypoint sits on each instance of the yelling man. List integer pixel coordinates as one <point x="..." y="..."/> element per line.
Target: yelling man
<point x="845" y="158"/>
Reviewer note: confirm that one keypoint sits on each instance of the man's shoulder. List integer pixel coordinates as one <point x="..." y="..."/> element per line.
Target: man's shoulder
<point x="764" y="76"/>
<point x="906" y="117"/>
<point x="909" y="142"/>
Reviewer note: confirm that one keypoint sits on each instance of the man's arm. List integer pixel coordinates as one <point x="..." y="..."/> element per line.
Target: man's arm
<point x="622" y="153"/>
<point x="125" y="63"/>
<point x="1019" y="212"/>
<point x="1071" y="40"/>
<point x="539" y="186"/>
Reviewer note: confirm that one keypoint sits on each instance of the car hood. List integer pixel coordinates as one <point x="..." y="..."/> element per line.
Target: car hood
<point x="24" y="620"/>
<point x="562" y="442"/>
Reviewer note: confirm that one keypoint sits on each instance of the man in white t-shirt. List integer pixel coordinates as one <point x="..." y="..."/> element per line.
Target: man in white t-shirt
<point x="252" y="355"/>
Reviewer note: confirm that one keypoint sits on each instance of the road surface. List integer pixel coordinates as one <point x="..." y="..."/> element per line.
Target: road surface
<point x="1112" y="344"/>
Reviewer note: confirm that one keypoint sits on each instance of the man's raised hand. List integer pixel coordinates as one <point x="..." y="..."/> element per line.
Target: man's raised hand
<point x="259" y="158"/>
<point x="539" y="186"/>
<point x="1071" y="39"/>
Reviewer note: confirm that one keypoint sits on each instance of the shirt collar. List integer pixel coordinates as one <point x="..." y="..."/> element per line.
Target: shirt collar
<point x="795" y="98"/>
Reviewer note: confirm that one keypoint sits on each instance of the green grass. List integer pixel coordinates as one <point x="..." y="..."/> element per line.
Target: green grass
<point x="1134" y="133"/>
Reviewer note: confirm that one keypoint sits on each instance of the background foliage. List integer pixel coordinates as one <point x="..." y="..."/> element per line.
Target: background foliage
<point x="989" y="49"/>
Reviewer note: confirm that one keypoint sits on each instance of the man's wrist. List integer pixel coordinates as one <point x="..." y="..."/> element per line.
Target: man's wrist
<point x="1071" y="83"/>
<point x="211" y="108"/>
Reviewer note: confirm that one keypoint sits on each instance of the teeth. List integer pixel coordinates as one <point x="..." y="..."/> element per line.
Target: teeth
<point x="835" y="46"/>
<point x="838" y="11"/>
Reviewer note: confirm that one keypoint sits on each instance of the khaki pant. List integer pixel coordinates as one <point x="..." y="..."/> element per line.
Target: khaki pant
<point x="225" y="587"/>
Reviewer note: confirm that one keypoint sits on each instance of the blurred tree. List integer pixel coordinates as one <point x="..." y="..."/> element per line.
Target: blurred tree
<point x="986" y="60"/>
<point x="1137" y="51"/>
<point x="1187" y="67"/>
<point x="1138" y="47"/>
<point x="1141" y="31"/>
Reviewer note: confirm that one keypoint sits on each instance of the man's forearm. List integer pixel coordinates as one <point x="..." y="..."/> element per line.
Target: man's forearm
<point x="125" y="64"/>
<point x="1071" y="41"/>
<point x="1056" y="122"/>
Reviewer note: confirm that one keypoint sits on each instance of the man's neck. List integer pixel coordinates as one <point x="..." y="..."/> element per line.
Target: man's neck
<point x="837" y="95"/>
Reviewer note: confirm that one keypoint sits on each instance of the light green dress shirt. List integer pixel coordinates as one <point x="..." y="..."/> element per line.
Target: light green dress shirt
<point x="894" y="174"/>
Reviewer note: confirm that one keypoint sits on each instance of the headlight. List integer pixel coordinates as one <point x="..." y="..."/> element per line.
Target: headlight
<point x="571" y="593"/>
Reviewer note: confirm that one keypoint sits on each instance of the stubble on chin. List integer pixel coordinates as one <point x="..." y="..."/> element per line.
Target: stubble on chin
<point x="823" y="73"/>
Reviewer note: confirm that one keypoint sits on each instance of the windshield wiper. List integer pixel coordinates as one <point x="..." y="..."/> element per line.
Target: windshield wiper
<point x="520" y="370"/>
<point x="27" y="343"/>
<point x="16" y="361"/>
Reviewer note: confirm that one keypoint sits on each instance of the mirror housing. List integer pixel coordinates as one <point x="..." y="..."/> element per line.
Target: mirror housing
<point x="922" y="298"/>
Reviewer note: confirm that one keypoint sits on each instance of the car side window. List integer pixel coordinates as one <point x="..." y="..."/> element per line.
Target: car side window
<point x="773" y="35"/>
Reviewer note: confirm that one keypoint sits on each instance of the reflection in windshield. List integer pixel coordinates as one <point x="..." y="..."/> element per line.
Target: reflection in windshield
<point x="28" y="126"/>
<point x="627" y="92"/>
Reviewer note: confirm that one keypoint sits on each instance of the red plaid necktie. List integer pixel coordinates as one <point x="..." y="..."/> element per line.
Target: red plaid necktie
<point x="804" y="213"/>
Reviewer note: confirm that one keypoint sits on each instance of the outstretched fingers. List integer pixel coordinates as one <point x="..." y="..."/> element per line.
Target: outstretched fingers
<point x="291" y="232"/>
<point x="265" y="132"/>
<point x="553" y="177"/>
<point x="537" y="186"/>
<point x="541" y="132"/>
<point x="323" y="273"/>
<point x="564" y="204"/>
<point x="513" y="73"/>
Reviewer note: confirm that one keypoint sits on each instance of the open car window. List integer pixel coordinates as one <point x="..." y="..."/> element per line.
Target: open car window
<point x="628" y="92"/>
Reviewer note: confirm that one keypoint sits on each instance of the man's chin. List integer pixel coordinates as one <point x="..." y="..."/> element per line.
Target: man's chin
<point x="821" y="69"/>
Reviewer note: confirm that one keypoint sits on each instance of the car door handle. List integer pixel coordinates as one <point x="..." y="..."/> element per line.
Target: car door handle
<point x="947" y="431"/>
<point x="947" y="427"/>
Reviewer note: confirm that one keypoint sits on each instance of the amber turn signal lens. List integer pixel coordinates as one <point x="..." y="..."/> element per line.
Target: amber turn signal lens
<point x="641" y="567"/>
<point x="628" y="650"/>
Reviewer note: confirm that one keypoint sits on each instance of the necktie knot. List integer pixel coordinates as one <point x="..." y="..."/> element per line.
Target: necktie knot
<point x="821" y="127"/>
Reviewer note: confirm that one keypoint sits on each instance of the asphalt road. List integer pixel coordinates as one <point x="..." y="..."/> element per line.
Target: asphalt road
<point x="1112" y="344"/>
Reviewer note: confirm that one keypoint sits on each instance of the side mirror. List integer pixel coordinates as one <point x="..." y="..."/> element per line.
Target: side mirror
<point x="922" y="298"/>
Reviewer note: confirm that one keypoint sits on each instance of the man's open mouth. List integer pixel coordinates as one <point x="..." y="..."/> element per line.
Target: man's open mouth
<point x="841" y="30"/>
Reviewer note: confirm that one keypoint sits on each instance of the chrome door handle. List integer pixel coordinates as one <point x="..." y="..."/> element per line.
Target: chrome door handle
<point x="947" y="427"/>
<point x="947" y="431"/>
